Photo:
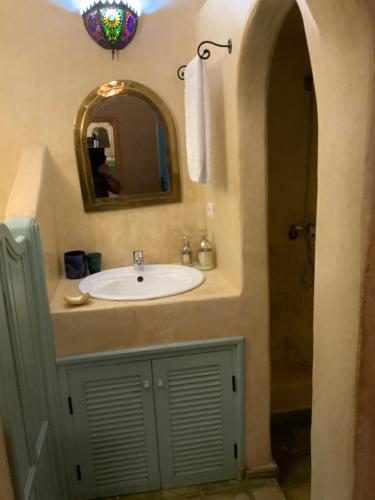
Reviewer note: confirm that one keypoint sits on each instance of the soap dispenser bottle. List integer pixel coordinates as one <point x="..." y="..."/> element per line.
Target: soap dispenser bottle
<point x="205" y="253"/>
<point x="186" y="253"/>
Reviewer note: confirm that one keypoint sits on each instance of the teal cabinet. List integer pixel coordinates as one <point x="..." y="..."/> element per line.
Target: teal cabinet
<point x="194" y="404"/>
<point x="173" y="418"/>
<point x="114" y="426"/>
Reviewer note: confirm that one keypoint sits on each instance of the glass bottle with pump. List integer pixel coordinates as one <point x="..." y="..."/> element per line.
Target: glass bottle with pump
<point x="205" y="253"/>
<point x="186" y="253"/>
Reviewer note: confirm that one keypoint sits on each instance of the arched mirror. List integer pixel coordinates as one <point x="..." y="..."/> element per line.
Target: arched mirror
<point x="126" y="148"/>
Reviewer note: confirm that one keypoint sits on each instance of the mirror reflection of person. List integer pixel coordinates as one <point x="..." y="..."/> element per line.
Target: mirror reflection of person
<point x="103" y="181"/>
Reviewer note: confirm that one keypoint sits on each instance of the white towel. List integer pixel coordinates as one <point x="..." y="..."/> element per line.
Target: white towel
<point x="197" y="116"/>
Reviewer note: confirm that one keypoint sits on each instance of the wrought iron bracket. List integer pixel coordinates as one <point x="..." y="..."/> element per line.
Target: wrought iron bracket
<point x="205" y="54"/>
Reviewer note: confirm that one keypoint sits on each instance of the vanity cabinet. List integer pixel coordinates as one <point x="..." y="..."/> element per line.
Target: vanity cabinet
<point x="113" y="412"/>
<point x="163" y="422"/>
<point x="194" y="407"/>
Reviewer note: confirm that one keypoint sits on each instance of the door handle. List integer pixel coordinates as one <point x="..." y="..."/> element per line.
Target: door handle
<point x="160" y="383"/>
<point x="146" y="385"/>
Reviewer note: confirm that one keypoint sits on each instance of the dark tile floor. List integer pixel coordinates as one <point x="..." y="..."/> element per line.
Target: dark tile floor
<point x="291" y="452"/>
<point x="266" y="489"/>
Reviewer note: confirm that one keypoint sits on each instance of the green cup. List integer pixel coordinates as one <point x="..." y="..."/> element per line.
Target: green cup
<point x="94" y="262"/>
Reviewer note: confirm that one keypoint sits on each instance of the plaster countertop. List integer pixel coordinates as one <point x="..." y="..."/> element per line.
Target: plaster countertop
<point x="208" y="311"/>
<point x="215" y="285"/>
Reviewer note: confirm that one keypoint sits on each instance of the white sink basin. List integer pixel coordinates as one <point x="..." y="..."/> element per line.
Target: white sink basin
<point x="155" y="281"/>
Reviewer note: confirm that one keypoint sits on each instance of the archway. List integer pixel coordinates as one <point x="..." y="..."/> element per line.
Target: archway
<point x="344" y="80"/>
<point x="292" y="192"/>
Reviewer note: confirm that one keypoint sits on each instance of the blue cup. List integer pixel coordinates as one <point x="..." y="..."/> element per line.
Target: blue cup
<point x="75" y="264"/>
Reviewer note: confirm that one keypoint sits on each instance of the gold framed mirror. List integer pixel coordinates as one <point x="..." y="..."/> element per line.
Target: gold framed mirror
<point x="126" y="148"/>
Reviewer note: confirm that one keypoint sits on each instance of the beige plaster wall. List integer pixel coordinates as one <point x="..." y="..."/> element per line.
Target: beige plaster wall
<point x="219" y="21"/>
<point x="50" y="80"/>
<point x="365" y="432"/>
<point x="365" y="437"/>
<point x="47" y="71"/>
<point x="33" y="195"/>
<point x="48" y="67"/>
<point x="345" y="105"/>
<point x="344" y="76"/>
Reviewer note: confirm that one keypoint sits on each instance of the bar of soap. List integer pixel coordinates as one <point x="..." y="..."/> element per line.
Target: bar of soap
<point x="77" y="301"/>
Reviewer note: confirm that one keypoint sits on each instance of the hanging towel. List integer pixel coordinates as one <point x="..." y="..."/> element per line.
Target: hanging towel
<point x="197" y="116"/>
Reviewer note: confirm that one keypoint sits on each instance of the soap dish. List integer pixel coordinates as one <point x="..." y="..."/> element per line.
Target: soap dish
<point x="77" y="301"/>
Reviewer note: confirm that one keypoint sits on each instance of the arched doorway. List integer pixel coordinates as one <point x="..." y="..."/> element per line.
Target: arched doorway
<point x="292" y="194"/>
<point x="344" y="99"/>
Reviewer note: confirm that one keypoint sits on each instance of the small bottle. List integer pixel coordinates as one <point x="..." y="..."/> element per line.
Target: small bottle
<point x="205" y="254"/>
<point x="186" y="254"/>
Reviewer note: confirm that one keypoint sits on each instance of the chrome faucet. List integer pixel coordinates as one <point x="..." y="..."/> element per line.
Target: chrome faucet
<point x="138" y="260"/>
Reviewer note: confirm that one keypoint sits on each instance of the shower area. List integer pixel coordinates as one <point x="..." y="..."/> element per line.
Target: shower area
<point x="292" y="197"/>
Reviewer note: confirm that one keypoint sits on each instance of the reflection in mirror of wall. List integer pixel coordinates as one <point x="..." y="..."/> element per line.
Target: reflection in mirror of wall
<point x="126" y="148"/>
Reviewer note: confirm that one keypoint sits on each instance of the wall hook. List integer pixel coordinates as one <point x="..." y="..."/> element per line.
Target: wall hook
<point x="181" y="72"/>
<point x="205" y="53"/>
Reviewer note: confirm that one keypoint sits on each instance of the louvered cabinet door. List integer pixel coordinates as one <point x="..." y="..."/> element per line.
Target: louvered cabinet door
<point x="113" y="412"/>
<point x="195" y="418"/>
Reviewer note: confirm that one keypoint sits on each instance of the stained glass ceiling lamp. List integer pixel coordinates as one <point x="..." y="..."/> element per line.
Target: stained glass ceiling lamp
<point x="111" y="23"/>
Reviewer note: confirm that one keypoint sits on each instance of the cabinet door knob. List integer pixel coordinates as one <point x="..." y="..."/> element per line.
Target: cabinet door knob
<point x="146" y="385"/>
<point x="160" y="383"/>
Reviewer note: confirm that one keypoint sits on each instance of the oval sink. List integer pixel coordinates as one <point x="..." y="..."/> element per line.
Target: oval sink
<point x="154" y="282"/>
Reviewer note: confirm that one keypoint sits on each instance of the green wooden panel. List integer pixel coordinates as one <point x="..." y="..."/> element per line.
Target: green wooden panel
<point x="45" y="482"/>
<point x="26" y="343"/>
<point x="235" y="344"/>
<point x="34" y="495"/>
<point x="113" y="414"/>
<point x="11" y="406"/>
<point x="195" y="418"/>
<point x="27" y="229"/>
<point x="27" y="355"/>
